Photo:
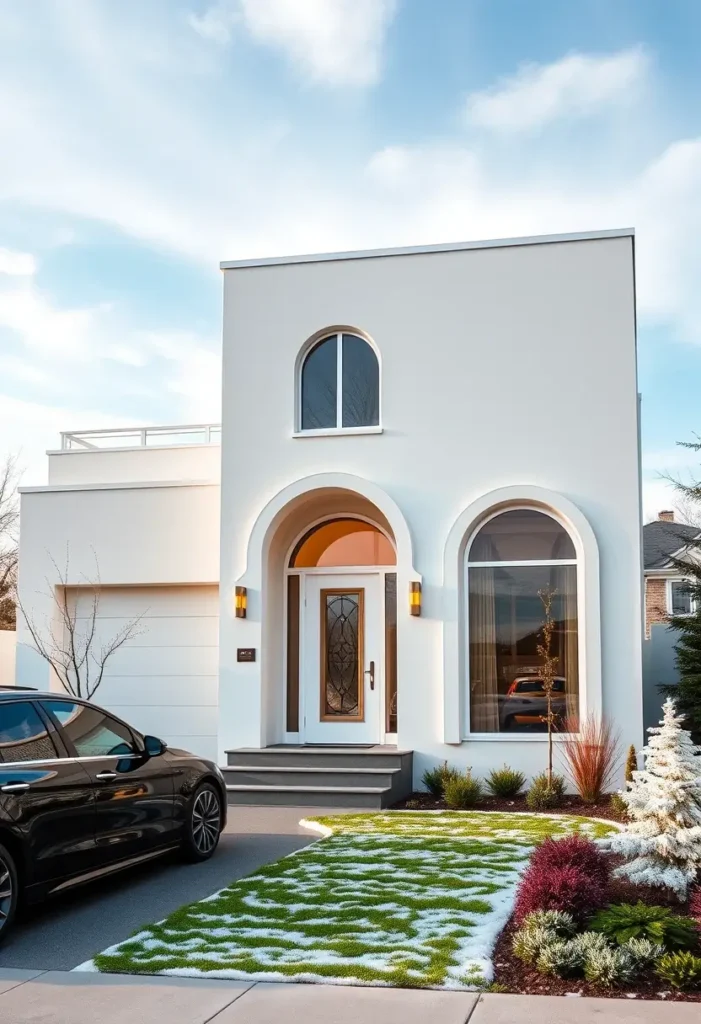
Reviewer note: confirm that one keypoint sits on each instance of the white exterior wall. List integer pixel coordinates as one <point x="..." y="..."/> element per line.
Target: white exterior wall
<point x="8" y="644"/>
<point x="505" y="367"/>
<point x="135" y="465"/>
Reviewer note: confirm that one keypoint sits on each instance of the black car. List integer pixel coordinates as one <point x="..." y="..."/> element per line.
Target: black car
<point x="83" y="794"/>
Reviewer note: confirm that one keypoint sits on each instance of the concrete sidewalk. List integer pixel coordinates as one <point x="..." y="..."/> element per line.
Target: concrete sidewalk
<point x="53" y="997"/>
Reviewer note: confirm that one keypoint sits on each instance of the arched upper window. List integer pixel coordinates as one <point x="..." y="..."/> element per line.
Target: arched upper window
<point x="340" y="384"/>
<point x="343" y="542"/>
<point x="522" y="575"/>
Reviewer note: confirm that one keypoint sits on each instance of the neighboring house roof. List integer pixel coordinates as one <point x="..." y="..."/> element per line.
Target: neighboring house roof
<point x="662" y="539"/>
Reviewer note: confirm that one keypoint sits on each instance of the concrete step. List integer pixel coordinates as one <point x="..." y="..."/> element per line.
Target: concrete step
<point x="310" y="796"/>
<point x="321" y="757"/>
<point x="278" y="777"/>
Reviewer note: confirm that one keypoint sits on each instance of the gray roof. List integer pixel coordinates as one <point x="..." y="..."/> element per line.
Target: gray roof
<point x="661" y="540"/>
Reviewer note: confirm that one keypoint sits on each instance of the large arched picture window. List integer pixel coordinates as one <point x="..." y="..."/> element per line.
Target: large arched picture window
<point x="340" y="384"/>
<point x="522" y="571"/>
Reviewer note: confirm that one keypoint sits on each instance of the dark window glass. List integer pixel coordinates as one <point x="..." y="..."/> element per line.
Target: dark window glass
<point x="92" y="732"/>
<point x="319" y="386"/>
<point x="506" y="619"/>
<point x="23" y="735"/>
<point x="521" y="535"/>
<point x="361" y="383"/>
<point x="681" y="599"/>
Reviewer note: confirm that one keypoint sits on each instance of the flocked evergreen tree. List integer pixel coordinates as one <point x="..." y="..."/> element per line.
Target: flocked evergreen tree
<point x="687" y="692"/>
<point x="662" y="841"/>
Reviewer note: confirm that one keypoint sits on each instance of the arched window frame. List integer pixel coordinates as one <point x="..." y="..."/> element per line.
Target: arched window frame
<point x="305" y="351"/>
<point x="494" y="513"/>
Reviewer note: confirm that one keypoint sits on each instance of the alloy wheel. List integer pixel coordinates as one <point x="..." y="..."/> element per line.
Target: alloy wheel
<point x="206" y="821"/>
<point x="6" y="892"/>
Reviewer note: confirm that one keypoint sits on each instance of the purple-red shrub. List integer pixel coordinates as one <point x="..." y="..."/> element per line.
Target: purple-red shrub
<point x="569" y="874"/>
<point x="695" y="905"/>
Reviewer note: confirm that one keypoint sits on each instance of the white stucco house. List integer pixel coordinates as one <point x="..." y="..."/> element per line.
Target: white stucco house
<point x="420" y="448"/>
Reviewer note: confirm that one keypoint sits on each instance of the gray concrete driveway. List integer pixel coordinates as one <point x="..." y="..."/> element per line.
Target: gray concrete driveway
<point x="66" y="931"/>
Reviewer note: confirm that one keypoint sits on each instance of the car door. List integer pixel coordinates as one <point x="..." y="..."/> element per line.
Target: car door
<point x="134" y="794"/>
<point x="46" y="797"/>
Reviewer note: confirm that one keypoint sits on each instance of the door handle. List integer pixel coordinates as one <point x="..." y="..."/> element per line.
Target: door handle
<point x="106" y="776"/>
<point x="15" y="787"/>
<point x="371" y="672"/>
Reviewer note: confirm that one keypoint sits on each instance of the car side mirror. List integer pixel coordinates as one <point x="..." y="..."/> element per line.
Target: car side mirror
<point x="154" y="747"/>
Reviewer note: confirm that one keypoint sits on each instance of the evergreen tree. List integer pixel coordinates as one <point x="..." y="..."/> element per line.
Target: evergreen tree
<point x="631" y="763"/>
<point x="687" y="692"/>
<point x="662" y="841"/>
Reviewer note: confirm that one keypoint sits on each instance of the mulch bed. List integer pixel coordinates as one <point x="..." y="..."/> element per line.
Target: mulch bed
<point x="571" y="805"/>
<point x="522" y="979"/>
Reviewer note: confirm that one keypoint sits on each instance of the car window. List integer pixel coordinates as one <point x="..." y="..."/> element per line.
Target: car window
<point x="23" y="735"/>
<point x="92" y="732"/>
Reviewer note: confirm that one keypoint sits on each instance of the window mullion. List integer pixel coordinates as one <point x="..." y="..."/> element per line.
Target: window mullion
<point x="339" y="380"/>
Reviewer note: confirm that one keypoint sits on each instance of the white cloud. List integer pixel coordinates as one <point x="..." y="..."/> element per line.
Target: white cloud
<point x="194" y="374"/>
<point x="216" y="23"/>
<point x="42" y="326"/>
<point x="574" y="86"/>
<point x="16" y="264"/>
<point x="338" y="42"/>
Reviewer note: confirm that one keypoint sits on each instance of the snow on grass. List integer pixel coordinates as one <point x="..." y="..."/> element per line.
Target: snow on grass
<point x="387" y="898"/>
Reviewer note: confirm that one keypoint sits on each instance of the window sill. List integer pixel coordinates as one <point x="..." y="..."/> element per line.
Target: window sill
<point x="505" y="737"/>
<point x="337" y="431"/>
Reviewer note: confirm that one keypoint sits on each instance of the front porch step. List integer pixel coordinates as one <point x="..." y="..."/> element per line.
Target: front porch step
<point x="367" y="777"/>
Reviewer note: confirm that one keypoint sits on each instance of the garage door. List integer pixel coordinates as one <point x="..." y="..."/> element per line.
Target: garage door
<point x="163" y="681"/>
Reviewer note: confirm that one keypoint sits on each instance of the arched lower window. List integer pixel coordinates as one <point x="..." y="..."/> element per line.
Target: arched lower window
<point x="340" y="384"/>
<point x="522" y="573"/>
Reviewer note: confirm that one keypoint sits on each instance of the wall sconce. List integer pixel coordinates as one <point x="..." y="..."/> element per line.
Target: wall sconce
<point x="415" y="598"/>
<point x="240" y="602"/>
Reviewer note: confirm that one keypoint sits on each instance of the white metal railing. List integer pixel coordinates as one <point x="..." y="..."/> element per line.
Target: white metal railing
<point x="141" y="437"/>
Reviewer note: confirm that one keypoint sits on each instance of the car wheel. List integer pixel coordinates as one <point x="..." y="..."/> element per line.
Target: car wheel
<point x="204" y="824"/>
<point x="9" y="891"/>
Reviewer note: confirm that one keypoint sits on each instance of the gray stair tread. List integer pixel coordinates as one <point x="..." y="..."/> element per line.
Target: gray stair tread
<point x="309" y="789"/>
<point x="293" y="751"/>
<point x="310" y="771"/>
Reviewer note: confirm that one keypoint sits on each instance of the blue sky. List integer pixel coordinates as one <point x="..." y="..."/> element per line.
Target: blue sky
<point x="141" y="143"/>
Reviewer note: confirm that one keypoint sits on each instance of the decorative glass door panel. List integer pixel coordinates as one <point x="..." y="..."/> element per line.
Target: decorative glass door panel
<point x="342" y="669"/>
<point x="341" y="658"/>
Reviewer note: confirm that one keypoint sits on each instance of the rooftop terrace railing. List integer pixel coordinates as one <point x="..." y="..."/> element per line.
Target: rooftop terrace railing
<point x="141" y="437"/>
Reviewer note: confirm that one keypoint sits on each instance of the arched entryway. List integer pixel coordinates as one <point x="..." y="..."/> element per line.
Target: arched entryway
<point x="341" y="631"/>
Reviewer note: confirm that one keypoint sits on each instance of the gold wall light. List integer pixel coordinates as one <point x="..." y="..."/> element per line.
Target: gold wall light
<point x="240" y="602"/>
<point x="415" y="597"/>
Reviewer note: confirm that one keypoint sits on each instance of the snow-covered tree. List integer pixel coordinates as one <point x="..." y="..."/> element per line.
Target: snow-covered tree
<point x="662" y="842"/>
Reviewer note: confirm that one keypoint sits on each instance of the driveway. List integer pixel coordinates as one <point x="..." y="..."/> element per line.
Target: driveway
<point x="66" y="931"/>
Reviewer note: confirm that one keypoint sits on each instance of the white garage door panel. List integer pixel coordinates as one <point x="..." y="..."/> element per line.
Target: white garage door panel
<point x="160" y="631"/>
<point x="163" y="661"/>
<point x="144" y="691"/>
<point x="163" y="681"/>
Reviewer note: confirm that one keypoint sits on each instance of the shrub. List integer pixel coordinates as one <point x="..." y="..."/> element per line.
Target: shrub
<point x="625" y="921"/>
<point x="559" y="923"/>
<point x="412" y="805"/>
<point x="680" y="970"/>
<point x="590" y="942"/>
<point x="695" y="905"/>
<point x="505" y="782"/>
<point x="561" y="958"/>
<point x="592" y="757"/>
<point x="463" y="791"/>
<point x="434" y="779"/>
<point x="570" y="875"/>
<point x="618" y="805"/>
<point x="609" y="966"/>
<point x="631" y="763"/>
<point x="543" y="796"/>
<point x="643" y="951"/>
<point x="528" y="943"/>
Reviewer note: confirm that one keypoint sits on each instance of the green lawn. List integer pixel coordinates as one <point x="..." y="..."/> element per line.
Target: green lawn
<point x="395" y="898"/>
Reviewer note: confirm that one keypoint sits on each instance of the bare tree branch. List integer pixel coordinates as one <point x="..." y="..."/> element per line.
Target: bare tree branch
<point x="71" y="649"/>
<point x="9" y="521"/>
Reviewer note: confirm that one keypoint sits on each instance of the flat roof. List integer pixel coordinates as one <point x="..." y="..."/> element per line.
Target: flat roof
<point x="413" y="250"/>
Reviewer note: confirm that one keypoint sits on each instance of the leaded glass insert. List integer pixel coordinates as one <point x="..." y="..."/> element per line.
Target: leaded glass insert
<point x="341" y="663"/>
